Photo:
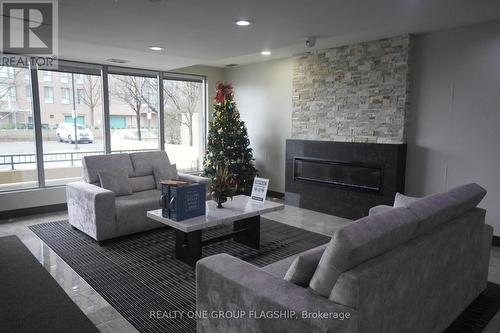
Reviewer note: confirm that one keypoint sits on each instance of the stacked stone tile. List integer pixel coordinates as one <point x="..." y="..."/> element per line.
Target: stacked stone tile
<point x="355" y="93"/>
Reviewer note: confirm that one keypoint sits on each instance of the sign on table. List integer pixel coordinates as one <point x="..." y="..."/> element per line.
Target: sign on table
<point x="259" y="189"/>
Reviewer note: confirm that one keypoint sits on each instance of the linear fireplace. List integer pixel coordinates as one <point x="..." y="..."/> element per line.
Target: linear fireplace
<point x="343" y="178"/>
<point x="347" y="175"/>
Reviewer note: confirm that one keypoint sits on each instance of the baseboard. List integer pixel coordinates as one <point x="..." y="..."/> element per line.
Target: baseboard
<point x="274" y="194"/>
<point x="10" y="214"/>
<point x="495" y="241"/>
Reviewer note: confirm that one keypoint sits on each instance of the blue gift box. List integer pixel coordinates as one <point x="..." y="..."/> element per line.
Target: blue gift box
<point x="182" y="200"/>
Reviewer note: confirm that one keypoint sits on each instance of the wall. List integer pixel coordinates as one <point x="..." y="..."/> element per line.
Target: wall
<point x="263" y="94"/>
<point x="354" y="93"/>
<point x="454" y="130"/>
<point x="32" y="198"/>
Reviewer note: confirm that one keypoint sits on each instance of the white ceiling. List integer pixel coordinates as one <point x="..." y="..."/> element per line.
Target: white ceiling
<point x="202" y="31"/>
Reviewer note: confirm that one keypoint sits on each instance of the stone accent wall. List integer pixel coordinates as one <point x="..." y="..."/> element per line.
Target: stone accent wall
<point x="354" y="93"/>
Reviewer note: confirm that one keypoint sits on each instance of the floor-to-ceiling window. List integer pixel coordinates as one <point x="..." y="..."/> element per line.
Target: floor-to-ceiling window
<point x="184" y="121"/>
<point x="17" y="139"/>
<point x="133" y="112"/>
<point x="69" y="117"/>
<point x="72" y="122"/>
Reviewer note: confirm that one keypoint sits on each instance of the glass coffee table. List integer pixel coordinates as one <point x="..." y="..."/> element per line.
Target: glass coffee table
<point x="243" y="213"/>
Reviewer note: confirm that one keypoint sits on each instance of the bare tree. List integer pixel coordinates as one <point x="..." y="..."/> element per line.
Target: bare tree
<point x="8" y="81"/>
<point x="131" y="90"/>
<point x="181" y="98"/>
<point x="92" y="94"/>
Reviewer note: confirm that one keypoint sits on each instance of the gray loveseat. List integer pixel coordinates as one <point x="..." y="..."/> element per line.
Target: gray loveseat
<point x="102" y="214"/>
<point x="406" y="269"/>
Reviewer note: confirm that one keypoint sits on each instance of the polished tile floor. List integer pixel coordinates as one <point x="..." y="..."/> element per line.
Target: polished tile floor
<point x="101" y="313"/>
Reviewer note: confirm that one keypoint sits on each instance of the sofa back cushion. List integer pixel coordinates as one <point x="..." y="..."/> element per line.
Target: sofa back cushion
<point x="436" y="209"/>
<point x="144" y="162"/>
<point x="92" y="165"/>
<point x="360" y="241"/>
<point x="469" y="196"/>
<point x="164" y="173"/>
<point x="143" y="183"/>
<point x="116" y="180"/>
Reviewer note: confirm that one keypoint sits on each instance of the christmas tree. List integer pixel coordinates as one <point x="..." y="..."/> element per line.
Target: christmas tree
<point x="228" y="143"/>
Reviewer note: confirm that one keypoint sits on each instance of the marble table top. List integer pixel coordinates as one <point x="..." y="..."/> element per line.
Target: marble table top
<point x="240" y="207"/>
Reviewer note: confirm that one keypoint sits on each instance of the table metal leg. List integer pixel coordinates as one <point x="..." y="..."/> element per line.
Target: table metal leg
<point x="188" y="246"/>
<point x="251" y="237"/>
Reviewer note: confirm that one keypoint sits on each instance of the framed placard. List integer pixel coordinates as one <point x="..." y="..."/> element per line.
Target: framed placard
<point x="259" y="189"/>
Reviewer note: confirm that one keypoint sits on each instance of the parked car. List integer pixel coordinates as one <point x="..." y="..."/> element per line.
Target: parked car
<point x="65" y="132"/>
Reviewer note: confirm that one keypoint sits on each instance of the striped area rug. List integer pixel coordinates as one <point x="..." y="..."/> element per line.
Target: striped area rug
<point x="139" y="273"/>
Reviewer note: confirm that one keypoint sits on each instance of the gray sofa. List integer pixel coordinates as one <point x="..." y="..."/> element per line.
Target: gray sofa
<point x="102" y="214"/>
<point x="406" y="269"/>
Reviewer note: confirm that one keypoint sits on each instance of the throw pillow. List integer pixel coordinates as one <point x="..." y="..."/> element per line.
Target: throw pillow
<point x="116" y="181"/>
<point x="164" y="173"/>
<point x="401" y="200"/>
<point x="301" y="271"/>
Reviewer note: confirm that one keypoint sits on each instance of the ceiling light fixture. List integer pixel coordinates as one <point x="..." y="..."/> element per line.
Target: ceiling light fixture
<point x="266" y="52"/>
<point x="156" y="48"/>
<point x="243" y="23"/>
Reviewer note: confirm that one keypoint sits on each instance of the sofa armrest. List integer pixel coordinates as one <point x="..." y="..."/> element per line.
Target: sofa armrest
<point x="379" y="209"/>
<point x="91" y="209"/>
<point x="266" y="303"/>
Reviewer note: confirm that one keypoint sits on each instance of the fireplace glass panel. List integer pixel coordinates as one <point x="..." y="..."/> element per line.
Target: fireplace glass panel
<point x="350" y="175"/>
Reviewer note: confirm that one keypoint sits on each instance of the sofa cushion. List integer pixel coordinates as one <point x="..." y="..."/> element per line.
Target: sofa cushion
<point x="379" y="209"/>
<point x="144" y="162"/>
<point x="164" y="173"/>
<point x="469" y="196"/>
<point x="433" y="210"/>
<point x="401" y="200"/>
<point x="303" y="266"/>
<point x="436" y="209"/>
<point x="143" y="183"/>
<point x="93" y="164"/>
<point x="115" y="181"/>
<point x="360" y="241"/>
<point x="279" y="268"/>
<point x="131" y="212"/>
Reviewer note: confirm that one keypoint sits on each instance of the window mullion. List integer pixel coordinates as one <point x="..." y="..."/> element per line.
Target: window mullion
<point x="105" y="107"/>
<point x="37" y="124"/>
<point x="161" y="115"/>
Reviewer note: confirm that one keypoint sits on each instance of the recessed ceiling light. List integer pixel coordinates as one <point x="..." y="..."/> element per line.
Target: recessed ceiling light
<point x="266" y="52"/>
<point x="243" y="23"/>
<point x="156" y="48"/>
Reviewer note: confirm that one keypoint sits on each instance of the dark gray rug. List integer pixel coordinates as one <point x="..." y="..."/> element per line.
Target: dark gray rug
<point x="139" y="273"/>
<point x="31" y="300"/>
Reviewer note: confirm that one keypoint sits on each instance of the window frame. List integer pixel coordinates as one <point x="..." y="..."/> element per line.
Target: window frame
<point x="102" y="70"/>
<point x="48" y="98"/>
<point x="65" y="96"/>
